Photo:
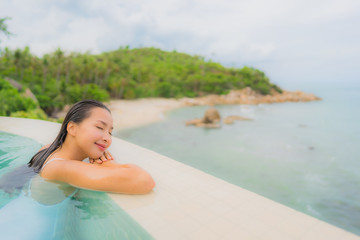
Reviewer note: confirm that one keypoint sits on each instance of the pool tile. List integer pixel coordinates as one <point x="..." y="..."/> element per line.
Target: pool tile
<point x="275" y="234"/>
<point x="187" y="226"/>
<point x="240" y="233"/>
<point x="203" y="233"/>
<point x="154" y="222"/>
<point x="166" y="233"/>
<point x="236" y="217"/>
<point x="298" y="224"/>
<point x="220" y="226"/>
<point x="270" y="218"/>
<point x="220" y="209"/>
<point x="250" y="208"/>
<point x="255" y="226"/>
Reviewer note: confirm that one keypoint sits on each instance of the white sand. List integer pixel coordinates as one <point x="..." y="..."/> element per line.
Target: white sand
<point x="139" y="112"/>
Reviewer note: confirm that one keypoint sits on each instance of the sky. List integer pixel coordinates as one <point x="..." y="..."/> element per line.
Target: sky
<point x="296" y="43"/>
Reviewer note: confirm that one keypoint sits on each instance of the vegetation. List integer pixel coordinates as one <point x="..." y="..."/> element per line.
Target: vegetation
<point x="61" y="78"/>
<point x="3" y="27"/>
<point x="12" y="101"/>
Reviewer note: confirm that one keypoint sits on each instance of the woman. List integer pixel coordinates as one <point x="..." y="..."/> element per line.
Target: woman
<point x="86" y="133"/>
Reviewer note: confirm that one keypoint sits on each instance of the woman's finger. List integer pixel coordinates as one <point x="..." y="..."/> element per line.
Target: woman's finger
<point x="111" y="157"/>
<point x="99" y="161"/>
<point x="107" y="155"/>
<point x="103" y="158"/>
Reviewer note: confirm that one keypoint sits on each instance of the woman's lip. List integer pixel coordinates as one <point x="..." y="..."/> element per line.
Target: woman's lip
<point x="102" y="147"/>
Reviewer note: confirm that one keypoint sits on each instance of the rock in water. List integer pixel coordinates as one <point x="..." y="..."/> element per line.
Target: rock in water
<point x="210" y="119"/>
<point x="211" y="116"/>
<point x="231" y="119"/>
<point x="193" y="121"/>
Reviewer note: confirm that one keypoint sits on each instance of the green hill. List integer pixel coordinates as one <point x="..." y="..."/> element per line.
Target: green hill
<point x="61" y="78"/>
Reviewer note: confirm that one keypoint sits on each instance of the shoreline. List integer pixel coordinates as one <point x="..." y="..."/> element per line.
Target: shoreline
<point x="139" y="112"/>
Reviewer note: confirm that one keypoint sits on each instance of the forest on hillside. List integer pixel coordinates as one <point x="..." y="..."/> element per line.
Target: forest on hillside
<point x="61" y="78"/>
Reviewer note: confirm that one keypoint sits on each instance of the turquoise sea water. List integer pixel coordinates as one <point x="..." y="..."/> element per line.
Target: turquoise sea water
<point x="34" y="209"/>
<point x="304" y="155"/>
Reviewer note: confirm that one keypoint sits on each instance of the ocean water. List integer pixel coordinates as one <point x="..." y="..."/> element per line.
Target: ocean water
<point x="304" y="155"/>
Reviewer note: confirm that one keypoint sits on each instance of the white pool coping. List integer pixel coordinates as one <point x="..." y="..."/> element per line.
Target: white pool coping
<point x="190" y="204"/>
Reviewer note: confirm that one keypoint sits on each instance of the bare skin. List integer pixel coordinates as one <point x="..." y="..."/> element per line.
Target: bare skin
<point x="91" y="138"/>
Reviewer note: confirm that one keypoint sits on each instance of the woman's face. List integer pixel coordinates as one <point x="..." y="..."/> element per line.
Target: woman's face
<point x="93" y="134"/>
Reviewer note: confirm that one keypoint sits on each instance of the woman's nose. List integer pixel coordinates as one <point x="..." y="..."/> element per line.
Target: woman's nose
<point x="107" y="137"/>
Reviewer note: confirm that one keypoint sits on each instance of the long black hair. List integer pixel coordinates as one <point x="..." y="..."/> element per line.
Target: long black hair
<point x="77" y="113"/>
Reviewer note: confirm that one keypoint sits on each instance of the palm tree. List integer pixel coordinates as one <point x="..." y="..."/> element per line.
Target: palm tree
<point x="59" y="55"/>
<point x="24" y="61"/>
<point x="45" y="69"/>
<point x="3" y="27"/>
<point x="17" y="61"/>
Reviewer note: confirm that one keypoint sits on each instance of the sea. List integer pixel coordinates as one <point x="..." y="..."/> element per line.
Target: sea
<point x="305" y="155"/>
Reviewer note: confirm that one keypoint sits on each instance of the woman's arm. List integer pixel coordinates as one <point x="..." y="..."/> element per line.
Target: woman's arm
<point x="107" y="177"/>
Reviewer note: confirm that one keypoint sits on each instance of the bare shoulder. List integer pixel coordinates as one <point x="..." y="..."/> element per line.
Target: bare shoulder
<point x="44" y="147"/>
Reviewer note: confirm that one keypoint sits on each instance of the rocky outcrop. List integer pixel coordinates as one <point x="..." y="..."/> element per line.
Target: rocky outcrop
<point x="231" y="119"/>
<point x="210" y="119"/>
<point x="27" y="93"/>
<point x="14" y="83"/>
<point x="248" y="96"/>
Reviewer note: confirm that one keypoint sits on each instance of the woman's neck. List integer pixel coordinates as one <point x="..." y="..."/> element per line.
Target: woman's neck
<point x="70" y="151"/>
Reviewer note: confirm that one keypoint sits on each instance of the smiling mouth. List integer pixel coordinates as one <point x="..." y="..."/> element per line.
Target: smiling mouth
<point x="101" y="146"/>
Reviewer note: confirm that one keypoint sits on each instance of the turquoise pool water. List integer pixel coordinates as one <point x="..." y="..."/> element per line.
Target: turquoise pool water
<point x="32" y="208"/>
<point x="303" y="155"/>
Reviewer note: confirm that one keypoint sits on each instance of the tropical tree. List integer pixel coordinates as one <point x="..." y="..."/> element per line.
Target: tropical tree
<point x="4" y="27"/>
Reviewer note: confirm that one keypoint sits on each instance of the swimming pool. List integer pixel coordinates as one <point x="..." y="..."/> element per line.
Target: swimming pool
<point x="32" y="208"/>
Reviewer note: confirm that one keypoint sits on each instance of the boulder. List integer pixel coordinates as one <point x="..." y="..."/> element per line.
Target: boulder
<point x="210" y="119"/>
<point x="211" y="116"/>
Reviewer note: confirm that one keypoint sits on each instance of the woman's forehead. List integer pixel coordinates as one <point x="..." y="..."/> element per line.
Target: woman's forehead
<point x="101" y="115"/>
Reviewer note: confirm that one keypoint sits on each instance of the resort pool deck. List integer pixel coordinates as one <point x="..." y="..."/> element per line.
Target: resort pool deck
<point x="190" y="204"/>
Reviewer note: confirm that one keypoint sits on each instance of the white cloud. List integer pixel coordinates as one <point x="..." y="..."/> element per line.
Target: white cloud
<point x="231" y="31"/>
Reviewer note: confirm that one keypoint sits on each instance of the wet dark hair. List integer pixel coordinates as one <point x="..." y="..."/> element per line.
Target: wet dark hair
<point x="77" y="113"/>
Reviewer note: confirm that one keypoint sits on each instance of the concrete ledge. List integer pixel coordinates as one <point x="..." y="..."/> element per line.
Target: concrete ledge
<point x="190" y="204"/>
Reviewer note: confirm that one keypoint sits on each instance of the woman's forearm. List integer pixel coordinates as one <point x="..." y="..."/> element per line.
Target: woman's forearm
<point x="111" y="163"/>
<point x="134" y="180"/>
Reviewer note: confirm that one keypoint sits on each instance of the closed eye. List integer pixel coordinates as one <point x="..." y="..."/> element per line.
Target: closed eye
<point x="100" y="128"/>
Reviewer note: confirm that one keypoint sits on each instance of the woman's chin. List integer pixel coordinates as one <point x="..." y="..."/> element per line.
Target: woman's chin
<point x="95" y="155"/>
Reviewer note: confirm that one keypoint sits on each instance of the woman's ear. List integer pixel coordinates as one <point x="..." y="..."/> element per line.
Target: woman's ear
<point x="71" y="128"/>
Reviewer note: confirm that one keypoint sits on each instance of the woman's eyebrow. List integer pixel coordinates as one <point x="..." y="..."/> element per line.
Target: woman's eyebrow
<point x="105" y="124"/>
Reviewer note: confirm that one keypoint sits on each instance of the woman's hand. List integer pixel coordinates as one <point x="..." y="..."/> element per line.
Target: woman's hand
<point x="105" y="157"/>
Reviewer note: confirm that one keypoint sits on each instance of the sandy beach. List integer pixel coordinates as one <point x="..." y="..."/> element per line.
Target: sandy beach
<point x="139" y="112"/>
<point x="134" y="113"/>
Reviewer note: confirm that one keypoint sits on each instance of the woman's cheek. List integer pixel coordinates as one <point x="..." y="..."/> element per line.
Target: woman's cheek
<point x="97" y="135"/>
